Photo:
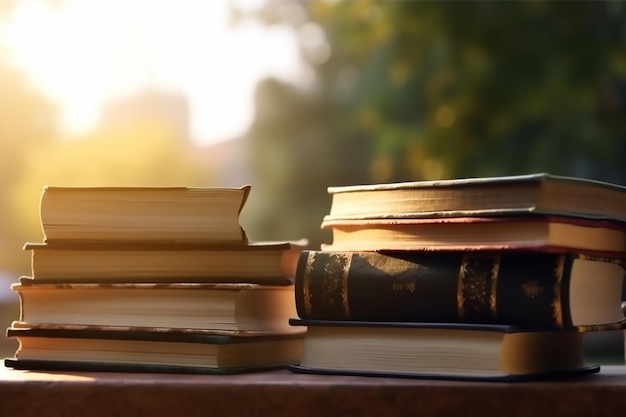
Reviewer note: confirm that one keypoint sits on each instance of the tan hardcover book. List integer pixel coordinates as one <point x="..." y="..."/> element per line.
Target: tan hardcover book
<point x="256" y="262"/>
<point x="143" y="213"/>
<point x="141" y="349"/>
<point x="484" y="196"/>
<point x="556" y="233"/>
<point x="241" y="307"/>
<point x="440" y="351"/>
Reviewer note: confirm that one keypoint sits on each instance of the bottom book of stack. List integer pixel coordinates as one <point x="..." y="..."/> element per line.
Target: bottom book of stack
<point x="440" y="351"/>
<point x="142" y="349"/>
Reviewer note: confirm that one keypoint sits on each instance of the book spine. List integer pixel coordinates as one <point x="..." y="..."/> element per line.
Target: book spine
<point x="490" y="288"/>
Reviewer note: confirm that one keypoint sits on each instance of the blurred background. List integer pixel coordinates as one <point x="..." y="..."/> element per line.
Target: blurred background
<point x="294" y="96"/>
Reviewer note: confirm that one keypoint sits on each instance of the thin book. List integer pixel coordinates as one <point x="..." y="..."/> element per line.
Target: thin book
<point x="539" y="193"/>
<point x="255" y="262"/>
<point x="524" y="232"/>
<point x="136" y="349"/>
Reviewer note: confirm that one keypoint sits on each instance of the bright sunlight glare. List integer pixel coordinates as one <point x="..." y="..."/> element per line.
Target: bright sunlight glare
<point x="82" y="53"/>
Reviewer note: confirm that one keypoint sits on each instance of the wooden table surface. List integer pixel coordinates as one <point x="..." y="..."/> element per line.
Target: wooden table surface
<point x="281" y="393"/>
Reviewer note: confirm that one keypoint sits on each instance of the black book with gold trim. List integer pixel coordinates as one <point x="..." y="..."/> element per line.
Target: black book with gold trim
<point x="533" y="290"/>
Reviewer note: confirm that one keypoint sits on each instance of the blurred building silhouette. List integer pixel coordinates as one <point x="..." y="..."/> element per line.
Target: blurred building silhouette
<point x="171" y="108"/>
<point x="228" y="159"/>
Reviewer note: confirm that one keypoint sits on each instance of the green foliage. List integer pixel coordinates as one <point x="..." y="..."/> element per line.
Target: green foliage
<point x="487" y="87"/>
<point x="426" y="90"/>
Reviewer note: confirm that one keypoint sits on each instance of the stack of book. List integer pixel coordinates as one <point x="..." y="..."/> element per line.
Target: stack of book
<point x="485" y="278"/>
<point x="157" y="279"/>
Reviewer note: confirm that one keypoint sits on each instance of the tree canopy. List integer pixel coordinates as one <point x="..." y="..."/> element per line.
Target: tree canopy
<point x="406" y="90"/>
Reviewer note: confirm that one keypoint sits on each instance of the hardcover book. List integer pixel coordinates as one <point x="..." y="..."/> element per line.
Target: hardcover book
<point x="242" y="307"/>
<point x="534" y="290"/>
<point x="108" y="348"/>
<point x="440" y="351"/>
<point x="166" y="214"/>
<point x="554" y="233"/>
<point x="261" y="263"/>
<point x="484" y="197"/>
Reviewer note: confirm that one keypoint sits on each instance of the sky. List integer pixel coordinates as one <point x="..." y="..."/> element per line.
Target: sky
<point x="83" y="53"/>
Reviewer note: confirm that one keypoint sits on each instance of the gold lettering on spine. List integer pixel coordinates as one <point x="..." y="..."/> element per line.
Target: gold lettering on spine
<point x="460" y="294"/>
<point x="344" y="287"/>
<point x="557" y="310"/>
<point x="476" y="287"/>
<point x="495" y="270"/>
<point x="306" y="284"/>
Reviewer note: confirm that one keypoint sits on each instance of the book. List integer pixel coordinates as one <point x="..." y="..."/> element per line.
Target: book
<point x="109" y="348"/>
<point x="441" y="351"/>
<point x="143" y="213"/>
<point x="244" y="307"/>
<point x="555" y="233"/>
<point x="533" y="290"/>
<point x="256" y="262"/>
<point x="539" y="193"/>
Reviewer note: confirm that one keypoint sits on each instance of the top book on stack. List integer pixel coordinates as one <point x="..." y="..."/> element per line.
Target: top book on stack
<point x="534" y="193"/>
<point x="524" y="211"/>
<point x="151" y="214"/>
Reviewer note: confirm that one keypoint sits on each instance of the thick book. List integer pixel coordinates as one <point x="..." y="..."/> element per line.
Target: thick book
<point x="209" y="214"/>
<point x="106" y="348"/>
<point x="255" y="262"/>
<point x="440" y="351"/>
<point x="555" y="233"/>
<point x="534" y="290"/>
<point x="483" y="196"/>
<point x="243" y="307"/>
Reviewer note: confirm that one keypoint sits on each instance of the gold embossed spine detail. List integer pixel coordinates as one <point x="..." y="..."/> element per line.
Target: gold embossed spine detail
<point x="324" y="285"/>
<point x="332" y="299"/>
<point x="476" y="288"/>
<point x="557" y="308"/>
<point x="306" y="283"/>
<point x="495" y="271"/>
